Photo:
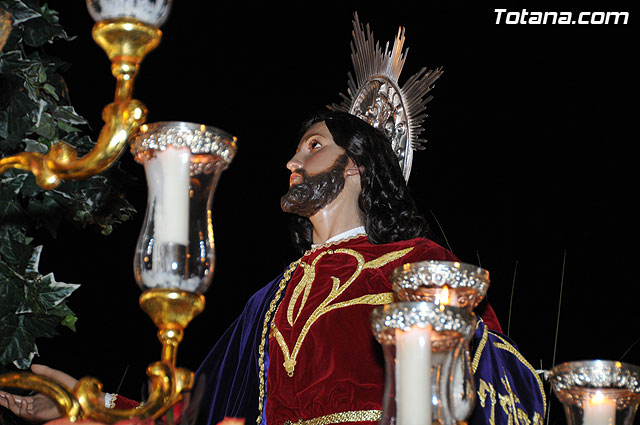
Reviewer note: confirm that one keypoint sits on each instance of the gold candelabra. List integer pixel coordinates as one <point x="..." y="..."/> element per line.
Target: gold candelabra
<point x="173" y="278"/>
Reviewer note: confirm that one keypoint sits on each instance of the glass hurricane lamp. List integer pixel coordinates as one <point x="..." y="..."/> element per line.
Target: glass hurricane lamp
<point x="597" y="392"/>
<point x="421" y="342"/>
<point x="451" y="283"/>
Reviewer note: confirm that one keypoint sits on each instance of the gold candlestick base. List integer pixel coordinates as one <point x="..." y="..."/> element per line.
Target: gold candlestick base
<point x="171" y="310"/>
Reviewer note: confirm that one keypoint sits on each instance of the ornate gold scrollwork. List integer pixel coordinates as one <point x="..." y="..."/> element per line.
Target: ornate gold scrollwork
<point x="126" y="41"/>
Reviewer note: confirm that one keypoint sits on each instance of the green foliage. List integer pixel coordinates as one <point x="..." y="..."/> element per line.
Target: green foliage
<point x="35" y="112"/>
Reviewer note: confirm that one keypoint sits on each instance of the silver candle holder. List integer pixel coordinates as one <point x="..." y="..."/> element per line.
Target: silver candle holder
<point x="425" y="338"/>
<point x="597" y="392"/>
<point x="425" y="280"/>
<point x="183" y="163"/>
<point x="421" y="342"/>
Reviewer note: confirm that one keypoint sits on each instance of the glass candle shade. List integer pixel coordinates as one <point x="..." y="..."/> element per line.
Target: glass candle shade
<point x="422" y="342"/>
<point x="450" y="283"/>
<point x="183" y="162"/>
<point x="423" y="281"/>
<point x="154" y="12"/>
<point x="597" y="392"/>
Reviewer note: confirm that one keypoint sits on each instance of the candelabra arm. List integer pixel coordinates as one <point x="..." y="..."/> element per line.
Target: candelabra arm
<point x="165" y="386"/>
<point x="126" y="41"/>
<point x="60" y="394"/>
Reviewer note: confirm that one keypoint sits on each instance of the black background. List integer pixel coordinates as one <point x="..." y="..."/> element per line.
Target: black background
<point x="530" y="168"/>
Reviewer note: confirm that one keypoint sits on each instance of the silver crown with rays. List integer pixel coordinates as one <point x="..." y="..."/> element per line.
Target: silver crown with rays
<point x="376" y="97"/>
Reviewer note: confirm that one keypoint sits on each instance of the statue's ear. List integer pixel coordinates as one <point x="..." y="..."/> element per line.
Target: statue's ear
<point x="351" y="169"/>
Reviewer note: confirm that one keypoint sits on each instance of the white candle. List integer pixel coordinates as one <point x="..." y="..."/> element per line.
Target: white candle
<point x="413" y="376"/>
<point x="168" y="181"/>
<point x="599" y="410"/>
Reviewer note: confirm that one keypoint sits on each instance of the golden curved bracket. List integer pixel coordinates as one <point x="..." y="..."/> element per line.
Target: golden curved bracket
<point x="67" y="403"/>
<point x="166" y="386"/>
<point x="165" y="389"/>
<point x="171" y="310"/>
<point x="126" y="41"/>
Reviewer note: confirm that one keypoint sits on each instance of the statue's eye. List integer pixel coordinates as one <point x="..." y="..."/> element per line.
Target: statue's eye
<point x="315" y="144"/>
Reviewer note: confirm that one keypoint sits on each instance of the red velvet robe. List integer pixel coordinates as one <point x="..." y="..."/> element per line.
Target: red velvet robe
<point x="323" y="357"/>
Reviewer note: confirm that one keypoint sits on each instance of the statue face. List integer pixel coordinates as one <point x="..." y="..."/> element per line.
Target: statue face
<point x="317" y="173"/>
<point x="316" y="153"/>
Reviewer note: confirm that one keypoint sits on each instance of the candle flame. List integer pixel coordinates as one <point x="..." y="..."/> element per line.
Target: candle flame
<point x="598" y="398"/>
<point x="444" y="295"/>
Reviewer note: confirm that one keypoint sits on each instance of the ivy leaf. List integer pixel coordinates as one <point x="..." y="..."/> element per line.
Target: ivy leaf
<point x="11" y="61"/>
<point x="18" y="334"/>
<point x="25" y="362"/>
<point x="15" y="343"/>
<point x="45" y="126"/>
<point x="19" y="115"/>
<point x="30" y="188"/>
<point x="67" y="128"/>
<point x="22" y="13"/>
<point x="31" y="305"/>
<point x="69" y="318"/>
<point x="38" y="31"/>
<point x="51" y="293"/>
<point x="12" y="184"/>
<point x="4" y="127"/>
<point x="68" y="115"/>
<point x="15" y="249"/>
<point x="35" y="146"/>
<point x="10" y="285"/>
<point x="51" y="90"/>
<point x="10" y="208"/>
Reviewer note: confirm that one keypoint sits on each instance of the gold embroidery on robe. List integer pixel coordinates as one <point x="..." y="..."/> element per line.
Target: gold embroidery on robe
<point x="341" y="417"/>
<point x="263" y="340"/>
<point x="485" y="389"/>
<point x="303" y="288"/>
<point x="504" y="345"/>
<point x="537" y="419"/>
<point x="508" y="402"/>
<point x="483" y="342"/>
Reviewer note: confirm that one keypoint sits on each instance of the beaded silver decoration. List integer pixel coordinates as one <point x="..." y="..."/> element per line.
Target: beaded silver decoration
<point x="574" y="383"/>
<point x="405" y="315"/>
<point x="200" y="139"/>
<point x="411" y="281"/>
<point x="596" y="374"/>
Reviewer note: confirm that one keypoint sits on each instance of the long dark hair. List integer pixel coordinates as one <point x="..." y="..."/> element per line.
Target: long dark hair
<point x="390" y="214"/>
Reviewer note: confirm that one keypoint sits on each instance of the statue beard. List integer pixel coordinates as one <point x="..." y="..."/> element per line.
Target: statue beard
<point x="314" y="193"/>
